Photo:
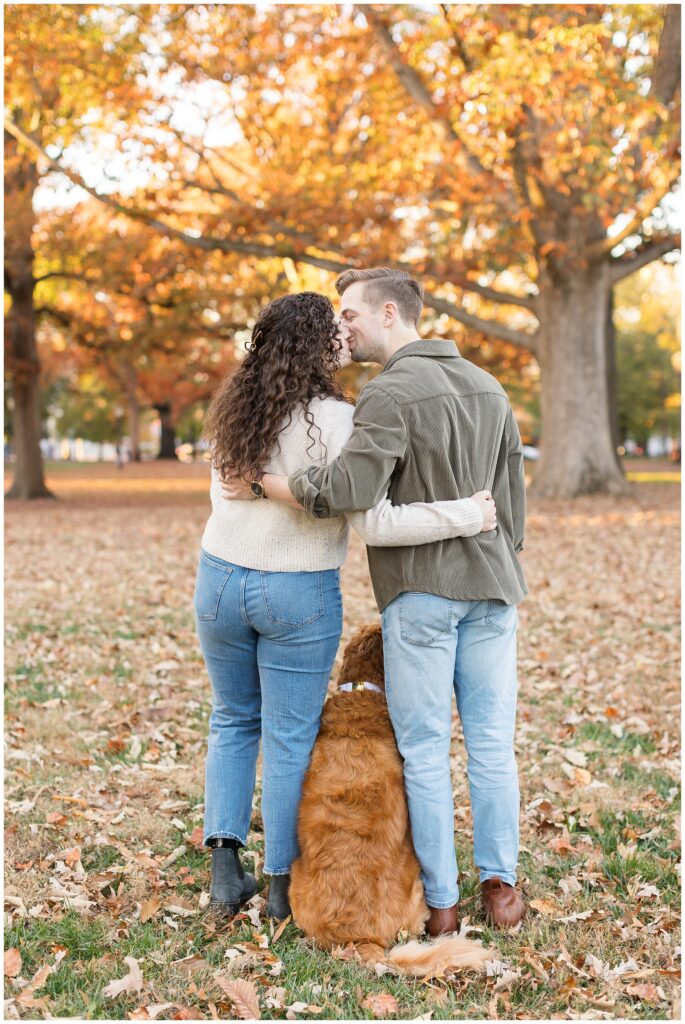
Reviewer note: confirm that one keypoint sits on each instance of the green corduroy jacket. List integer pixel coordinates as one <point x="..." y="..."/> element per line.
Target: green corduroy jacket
<point x="434" y="427"/>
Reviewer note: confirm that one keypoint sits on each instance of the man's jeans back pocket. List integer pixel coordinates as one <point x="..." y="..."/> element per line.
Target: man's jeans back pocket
<point x="293" y="599"/>
<point x="212" y="577"/>
<point x="424" y="618"/>
<point x="500" y="616"/>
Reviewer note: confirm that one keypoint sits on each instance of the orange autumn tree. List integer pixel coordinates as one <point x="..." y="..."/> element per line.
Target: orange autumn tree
<point x="515" y="157"/>
<point x="70" y="71"/>
<point x="156" y="323"/>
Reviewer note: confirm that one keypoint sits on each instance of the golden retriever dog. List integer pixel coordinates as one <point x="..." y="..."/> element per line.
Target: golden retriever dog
<point x="357" y="879"/>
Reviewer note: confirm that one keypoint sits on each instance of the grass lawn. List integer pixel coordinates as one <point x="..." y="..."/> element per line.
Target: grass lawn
<point x="106" y="717"/>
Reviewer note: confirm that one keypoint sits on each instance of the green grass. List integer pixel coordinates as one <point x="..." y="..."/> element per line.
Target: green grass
<point x="645" y="778"/>
<point x="629" y="742"/>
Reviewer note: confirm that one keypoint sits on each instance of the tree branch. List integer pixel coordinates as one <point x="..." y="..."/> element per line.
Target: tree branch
<point x="458" y="41"/>
<point x="209" y="243"/>
<point x="414" y="86"/>
<point x="666" y="72"/>
<point x="640" y="257"/>
<point x="489" y="327"/>
<point x="72" y="275"/>
<point x="493" y="294"/>
<point x="643" y="209"/>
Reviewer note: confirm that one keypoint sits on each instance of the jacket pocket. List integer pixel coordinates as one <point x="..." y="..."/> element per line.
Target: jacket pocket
<point x="424" y="618"/>
<point x="212" y="577"/>
<point x="293" y="598"/>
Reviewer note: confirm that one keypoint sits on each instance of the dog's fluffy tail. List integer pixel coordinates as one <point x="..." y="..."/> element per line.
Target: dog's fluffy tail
<point x="448" y="951"/>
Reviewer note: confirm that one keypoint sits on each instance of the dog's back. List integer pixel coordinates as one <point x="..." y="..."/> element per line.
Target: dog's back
<point x="357" y="877"/>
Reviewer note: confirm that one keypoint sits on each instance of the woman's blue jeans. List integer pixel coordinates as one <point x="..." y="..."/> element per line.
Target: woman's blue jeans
<point x="433" y="647"/>
<point x="269" y="640"/>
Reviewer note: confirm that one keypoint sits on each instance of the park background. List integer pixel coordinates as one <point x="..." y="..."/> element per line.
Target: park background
<point x="168" y="170"/>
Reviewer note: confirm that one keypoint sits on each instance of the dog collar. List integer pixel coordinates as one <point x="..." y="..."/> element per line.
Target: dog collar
<point x="348" y="687"/>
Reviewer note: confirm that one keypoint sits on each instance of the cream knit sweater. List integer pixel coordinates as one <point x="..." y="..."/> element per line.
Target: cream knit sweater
<point x="274" y="537"/>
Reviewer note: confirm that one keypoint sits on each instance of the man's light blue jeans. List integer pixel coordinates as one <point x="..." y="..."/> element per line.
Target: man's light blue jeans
<point x="433" y="646"/>
<point x="269" y="640"/>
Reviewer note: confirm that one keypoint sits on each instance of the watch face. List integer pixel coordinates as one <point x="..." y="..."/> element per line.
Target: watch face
<point x="257" y="489"/>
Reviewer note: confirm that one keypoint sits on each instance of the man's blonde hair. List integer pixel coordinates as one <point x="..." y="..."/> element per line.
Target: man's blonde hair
<point x="382" y="284"/>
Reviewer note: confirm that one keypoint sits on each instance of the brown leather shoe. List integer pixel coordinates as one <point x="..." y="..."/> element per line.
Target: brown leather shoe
<point x="503" y="903"/>
<point x="442" y="921"/>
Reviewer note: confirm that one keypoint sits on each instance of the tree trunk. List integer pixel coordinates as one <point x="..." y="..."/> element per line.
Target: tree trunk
<point x="133" y="415"/>
<point x="23" y="367"/>
<point x="167" y="447"/>
<point x="612" y="377"/>
<point x="578" y="454"/>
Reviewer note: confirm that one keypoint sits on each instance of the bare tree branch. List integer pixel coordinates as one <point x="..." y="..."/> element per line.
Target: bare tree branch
<point x="666" y="72"/>
<point x="457" y="40"/>
<point x="490" y="327"/>
<point x="71" y="275"/>
<point x="642" y="212"/>
<point x="493" y="294"/>
<point x="640" y="257"/>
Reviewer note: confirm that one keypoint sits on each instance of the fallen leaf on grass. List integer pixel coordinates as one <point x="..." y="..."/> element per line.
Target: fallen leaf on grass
<point x="562" y="843"/>
<point x="153" y="1011"/>
<point x="585" y="915"/>
<point x="576" y="757"/>
<point x="150" y="1012"/>
<point x="381" y="1004"/>
<point x="281" y="928"/>
<point x="243" y="995"/>
<point x="349" y="952"/>
<point x="56" y="818"/>
<point x="12" y="962"/>
<point x="647" y="992"/>
<point x="149" y="908"/>
<point x="189" y="965"/>
<point x="296" y="1008"/>
<point x="132" y="982"/>
<point x="196" y="837"/>
<point x="25" y="997"/>
<point x="545" y="906"/>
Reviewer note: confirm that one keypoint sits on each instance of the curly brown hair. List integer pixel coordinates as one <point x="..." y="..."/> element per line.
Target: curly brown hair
<point x="292" y="358"/>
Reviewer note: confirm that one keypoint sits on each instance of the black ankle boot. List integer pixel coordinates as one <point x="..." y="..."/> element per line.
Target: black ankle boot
<point x="277" y="904"/>
<point x="231" y="886"/>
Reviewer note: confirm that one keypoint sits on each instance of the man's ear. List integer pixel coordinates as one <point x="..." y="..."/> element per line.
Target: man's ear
<point x="389" y="314"/>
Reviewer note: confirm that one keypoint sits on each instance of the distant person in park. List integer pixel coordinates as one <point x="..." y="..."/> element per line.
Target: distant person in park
<point x="267" y="599"/>
<point x="432" y="425"/>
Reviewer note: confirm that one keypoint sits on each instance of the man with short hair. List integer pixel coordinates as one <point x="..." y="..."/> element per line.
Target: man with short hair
<point x="434" y="426"/>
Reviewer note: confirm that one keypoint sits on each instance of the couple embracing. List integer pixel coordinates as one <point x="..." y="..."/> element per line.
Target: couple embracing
<point x="428" y="469"/>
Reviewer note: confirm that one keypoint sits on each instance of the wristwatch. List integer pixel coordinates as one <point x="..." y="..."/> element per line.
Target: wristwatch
<point x="257" y="487"/>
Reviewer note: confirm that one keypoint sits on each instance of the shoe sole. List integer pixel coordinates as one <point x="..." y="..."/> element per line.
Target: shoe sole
<point x="231" y="909"/>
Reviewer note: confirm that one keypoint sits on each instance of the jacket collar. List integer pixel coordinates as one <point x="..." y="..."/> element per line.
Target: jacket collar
<point x="437" y="349"/>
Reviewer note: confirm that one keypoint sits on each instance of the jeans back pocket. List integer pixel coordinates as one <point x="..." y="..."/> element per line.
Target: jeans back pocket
<point x="293" y="598"/>
<point x="212" y="577"/>
<point x="424" y="618"/>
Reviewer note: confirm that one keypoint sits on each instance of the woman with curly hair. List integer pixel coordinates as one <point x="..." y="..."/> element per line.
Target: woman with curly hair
<point x="267" y="599"/>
